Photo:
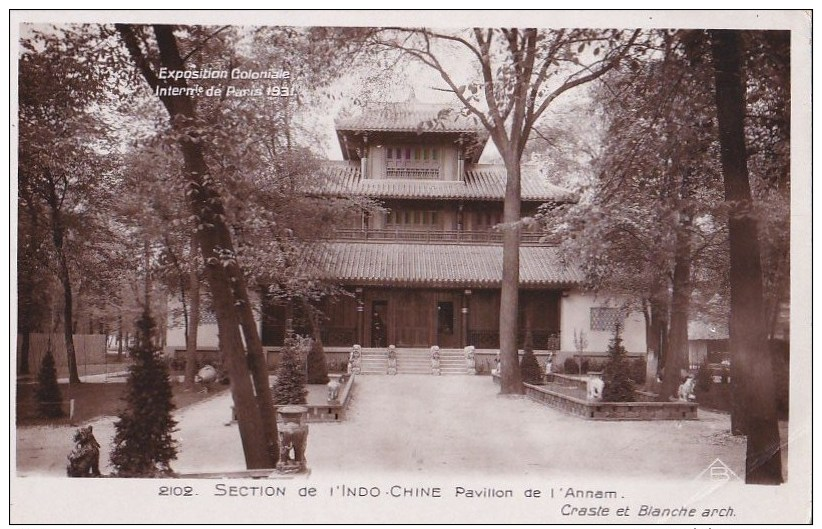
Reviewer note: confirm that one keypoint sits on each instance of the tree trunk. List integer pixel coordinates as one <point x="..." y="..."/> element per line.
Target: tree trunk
<point x="656" y="340"/>
<point x="222" y="271"/>
<point x="193" y="323"/>
<point x="24" y="349"/>
<point x="677" y="355"/>
<point x="258" y="365"/>
<point x="749" y="351"/>
<point x="57" y="234"/>
<point x="510" y="378"/>
<point x="119" y="337"/>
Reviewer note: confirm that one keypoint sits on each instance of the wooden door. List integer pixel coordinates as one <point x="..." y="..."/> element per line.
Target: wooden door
<point x="412" y="320"/>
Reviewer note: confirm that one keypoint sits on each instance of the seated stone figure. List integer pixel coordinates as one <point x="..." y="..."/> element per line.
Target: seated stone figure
<point x="470" y="362"/>
<point x="595" y="386"/>
<point x="435" y="360"/>
<point x="354" y="367"/>
<point x="333" y="389"/>
<point x="206" y="376"/>
<point x="392" y="360"/>
<point x="84" y="459"/>
<point x="686" y="389"/>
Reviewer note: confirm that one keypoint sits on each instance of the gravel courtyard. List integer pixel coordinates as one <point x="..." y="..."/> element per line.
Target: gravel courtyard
<point x="434" y="425"/>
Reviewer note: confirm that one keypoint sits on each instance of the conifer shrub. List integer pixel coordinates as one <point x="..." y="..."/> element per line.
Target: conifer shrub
<point x="570" y="366"/>
<point x="704" y="379"/>
<point x="529" y="368"/>
<point x="316" y="368"/>
<point x="290" y="385"/>
<point x="143" y="442"/>
<point x="617" y="373"/>
<point x="49" y="399"/>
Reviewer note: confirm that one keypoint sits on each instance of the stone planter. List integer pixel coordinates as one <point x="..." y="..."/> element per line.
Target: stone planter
<point x="435" y="361"/>
<point x="292" y="432"/>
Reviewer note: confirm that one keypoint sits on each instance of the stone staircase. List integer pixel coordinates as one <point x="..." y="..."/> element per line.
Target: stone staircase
<point x="412" y="361"/>
<point x="374" y="362"/>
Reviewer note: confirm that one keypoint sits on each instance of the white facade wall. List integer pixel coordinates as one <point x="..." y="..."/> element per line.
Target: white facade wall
<point x="207" y="333"/>
<point x="575" y="315"/>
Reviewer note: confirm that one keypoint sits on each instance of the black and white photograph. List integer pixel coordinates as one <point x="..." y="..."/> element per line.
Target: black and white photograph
<point x="394" y="267"/>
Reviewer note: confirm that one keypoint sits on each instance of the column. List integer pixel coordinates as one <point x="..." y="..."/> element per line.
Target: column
<point x="464" y="334"/>
<point x="360" y="317"/>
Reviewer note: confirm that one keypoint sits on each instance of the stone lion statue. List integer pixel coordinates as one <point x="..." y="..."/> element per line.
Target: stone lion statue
<point x="84" y="459"/>
<point x="686" y="389"/>
<point x="595" y="386"/>
<point x="206" y="376"/>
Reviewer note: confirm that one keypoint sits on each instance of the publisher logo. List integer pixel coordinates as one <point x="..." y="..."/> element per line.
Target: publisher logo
<point x="718" y="471"/>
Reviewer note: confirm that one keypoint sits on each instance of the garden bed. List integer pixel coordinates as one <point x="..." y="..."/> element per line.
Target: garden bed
<point x="568" y="394"/>
<point x="92" y="400"/>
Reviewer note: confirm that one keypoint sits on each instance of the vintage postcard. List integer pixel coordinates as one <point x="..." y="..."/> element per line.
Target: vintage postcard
<point x="410" y="267"/>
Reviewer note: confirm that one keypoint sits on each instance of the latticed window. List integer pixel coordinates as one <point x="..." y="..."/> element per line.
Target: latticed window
<point x="606" y="318"/>
<point x="412" y="161"/>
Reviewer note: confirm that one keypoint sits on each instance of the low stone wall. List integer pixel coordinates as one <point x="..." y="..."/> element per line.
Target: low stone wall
<point x="616" y="411"/>
<point x="645" y="409"/>
<point x="332" y="412"/>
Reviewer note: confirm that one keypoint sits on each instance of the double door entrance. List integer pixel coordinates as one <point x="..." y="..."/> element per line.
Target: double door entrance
<point x="414" y="318"/>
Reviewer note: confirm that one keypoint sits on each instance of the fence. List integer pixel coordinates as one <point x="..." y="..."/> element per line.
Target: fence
<point x="90" y="349"/>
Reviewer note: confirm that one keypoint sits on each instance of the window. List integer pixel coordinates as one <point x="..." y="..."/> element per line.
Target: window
<point x="408" y="153"/>
<point x="389" y="153"/>
<point x="434" y="153"/>
<point x="606" y="318"/>
<point x="411" y="218"/>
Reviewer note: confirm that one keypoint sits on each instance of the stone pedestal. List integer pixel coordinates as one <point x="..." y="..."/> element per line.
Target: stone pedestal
<point x="292" y="431"/>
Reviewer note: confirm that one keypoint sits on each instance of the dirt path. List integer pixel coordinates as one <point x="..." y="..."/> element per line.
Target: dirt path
<point x="437" y="426"/>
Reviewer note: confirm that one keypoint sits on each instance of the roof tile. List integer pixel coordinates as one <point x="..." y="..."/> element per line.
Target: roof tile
<point x="482" y="182"/>
<point x="442" y="265"/>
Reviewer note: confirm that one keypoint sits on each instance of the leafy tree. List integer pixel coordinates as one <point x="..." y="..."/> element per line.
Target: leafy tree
<point x="143" y="442"/>
<point x="49" y="399"/>
<point x="62" y="174"/>
<point x="215" y="137"/>
<point x="650" y="226"/>
<point x="522" y="72"/>
<point x="290" y="385"/>
<point x="617" y="373"/>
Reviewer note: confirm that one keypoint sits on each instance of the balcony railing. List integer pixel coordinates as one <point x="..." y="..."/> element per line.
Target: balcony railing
<point x="445" y="236"/>
<point x="413" y="173"/>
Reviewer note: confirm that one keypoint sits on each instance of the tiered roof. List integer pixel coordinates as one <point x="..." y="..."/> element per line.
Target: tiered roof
<point x="410" y="115"/>
<point x="482" y="182"/>
<point x="438" y="265"/>
<point x="409" y="118"/>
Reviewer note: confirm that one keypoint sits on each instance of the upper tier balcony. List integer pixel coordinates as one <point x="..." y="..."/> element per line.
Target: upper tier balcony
<point x="434" y="236"/>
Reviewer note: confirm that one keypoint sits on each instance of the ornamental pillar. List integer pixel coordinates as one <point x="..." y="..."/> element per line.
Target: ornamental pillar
<point x="464" y="311"/>
<point x="360" y="317"/>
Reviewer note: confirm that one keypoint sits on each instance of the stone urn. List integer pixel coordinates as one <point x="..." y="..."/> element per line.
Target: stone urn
<point x="435" y="361"/>
<point x="292" y="432"/>
<point x="354" y="361"/>
<point x="470" y="363"/>
<point x="392" y="360"/>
